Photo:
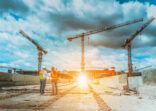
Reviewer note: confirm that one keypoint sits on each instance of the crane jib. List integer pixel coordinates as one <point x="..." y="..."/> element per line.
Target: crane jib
<point x="32" y="41"/>
<point x="138" y="31"/>
<point x="106" y="28"/>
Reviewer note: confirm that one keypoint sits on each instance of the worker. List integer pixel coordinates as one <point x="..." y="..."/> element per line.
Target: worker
<point x="42" y="77"/>
<point x="54" y="79"/>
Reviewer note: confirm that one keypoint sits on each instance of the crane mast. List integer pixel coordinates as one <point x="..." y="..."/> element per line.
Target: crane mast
<point x="83" y="53"/>
<point x="129" y="46"/>
<point x="41" y="51"/>
<point x="83" y="35"/>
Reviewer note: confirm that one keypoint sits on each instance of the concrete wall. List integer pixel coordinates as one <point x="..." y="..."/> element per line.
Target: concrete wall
<point x="145" y="84"/>
<point x="149" y="83"/>
<point x="114" y="81"/>
<point x="5" y="77"/>
<point x="24" y="78"/>
<point x="17" y="79"/>
<point x="20" y="79"/>
<point x="135" y="82"/>
<point x="149" y="77"/>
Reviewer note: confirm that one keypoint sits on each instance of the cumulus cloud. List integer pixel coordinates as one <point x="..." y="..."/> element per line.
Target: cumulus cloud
<point x="81" y="16"/>
<point x="49" y="22"/>
<point x="17" y="6"/>
<point x="143" y="1"/>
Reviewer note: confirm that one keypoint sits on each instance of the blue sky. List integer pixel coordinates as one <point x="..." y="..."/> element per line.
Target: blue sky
<point x="50" y="22"/>
<point x="142" y="1"/>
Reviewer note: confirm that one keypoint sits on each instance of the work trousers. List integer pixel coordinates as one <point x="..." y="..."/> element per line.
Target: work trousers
<point x="42" y="86"/>
<point x="54" y="87"/>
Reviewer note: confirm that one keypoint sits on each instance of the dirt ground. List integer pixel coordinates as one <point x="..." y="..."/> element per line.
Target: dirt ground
<point x="71" y="97"/>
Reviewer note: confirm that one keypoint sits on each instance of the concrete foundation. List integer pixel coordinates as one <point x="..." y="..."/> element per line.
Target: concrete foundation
<point x="24" y="78"/>
<point x="114" y="81"/>
<point x="149" y="77"/>
<point x="135" y="82"/>
<point x="20" y="79"/>
<point x="145" y="84"/>
<point x="7" y="79"/>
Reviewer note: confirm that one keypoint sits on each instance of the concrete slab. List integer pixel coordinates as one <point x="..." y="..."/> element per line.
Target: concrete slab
<point x="77" y="99"/>
<point x="71" y="98"/>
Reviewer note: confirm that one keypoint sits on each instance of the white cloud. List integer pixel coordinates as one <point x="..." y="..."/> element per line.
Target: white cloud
<point x="151" y="11"/>
<point x="74" y="17"/>
<point x="134" y="10"/>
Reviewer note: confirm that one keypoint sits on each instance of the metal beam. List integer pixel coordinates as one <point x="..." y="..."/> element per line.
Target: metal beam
<point x="83" y="35"/>
<point x="106" y="29"/>
<point x="40" y="49"/>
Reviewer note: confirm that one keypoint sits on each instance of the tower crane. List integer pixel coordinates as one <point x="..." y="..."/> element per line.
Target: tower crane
<point x="83" y="35"/>
<point x="41" y="51"/>
<point x="128" y="43"/>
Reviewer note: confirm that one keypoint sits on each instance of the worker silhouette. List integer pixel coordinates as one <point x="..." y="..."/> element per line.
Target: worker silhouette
<point x="54" y="80"/>
<point x="42" y="77"/>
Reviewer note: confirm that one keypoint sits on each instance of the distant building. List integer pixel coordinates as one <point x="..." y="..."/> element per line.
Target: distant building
<point x="96" y="73"/>
<point x="27" y="72"/>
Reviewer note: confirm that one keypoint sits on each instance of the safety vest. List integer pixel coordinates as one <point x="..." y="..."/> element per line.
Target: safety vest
<point x="54" y="75"/>
<point x="41" y="75"/>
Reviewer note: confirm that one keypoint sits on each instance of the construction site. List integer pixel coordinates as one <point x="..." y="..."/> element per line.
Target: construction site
<point x="77" y="55"/>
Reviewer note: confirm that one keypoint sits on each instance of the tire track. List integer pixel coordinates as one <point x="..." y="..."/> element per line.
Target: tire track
<point x="40" y="106"/>
<point x="103" y="106"/>
<point x="19" y="92"/>
<point x="51" y="101"/>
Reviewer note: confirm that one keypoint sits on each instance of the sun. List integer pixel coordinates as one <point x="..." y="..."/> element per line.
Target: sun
<point x="82" y="80"/>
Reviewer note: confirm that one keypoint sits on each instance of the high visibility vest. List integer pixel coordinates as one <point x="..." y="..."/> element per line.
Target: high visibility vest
<point x="54" y="75"/>
<point x="41" y="75"/>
